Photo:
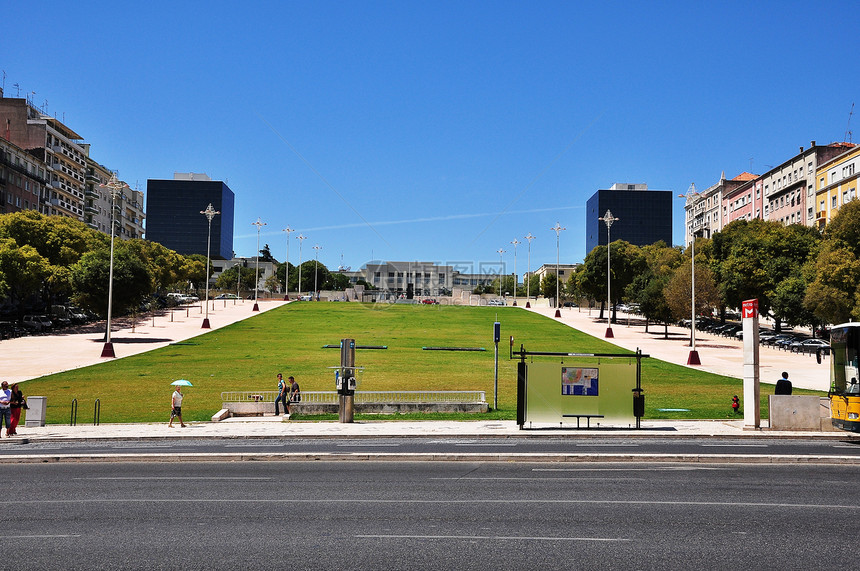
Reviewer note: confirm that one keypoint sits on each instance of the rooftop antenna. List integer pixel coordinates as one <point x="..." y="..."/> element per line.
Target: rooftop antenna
<point x="848" y="134"/>
<point x="17" y="90"/>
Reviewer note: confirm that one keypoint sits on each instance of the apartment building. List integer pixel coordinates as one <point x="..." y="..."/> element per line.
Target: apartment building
<point x="706" y="212"/>
<point x="744" y="202"/>
<point x="835" y="184"/>
<point x="22" y="179"/>
<point x="55" y="145"/>
<point x="128" y="204"/>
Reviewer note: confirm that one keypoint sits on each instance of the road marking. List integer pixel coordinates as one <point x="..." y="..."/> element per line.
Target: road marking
<point x="490" y="445"/>
<point x="656" y="468"/>
<point x="173" y="478"/>
<point x="368" y="445"/>
<point x="852" y="446"/>
<point x="734" y="445"/>
<point x="609" y="445"/>
<point x="39" y="536"/>
<point x="540" y="479"/>
<point x="492" y="537"/>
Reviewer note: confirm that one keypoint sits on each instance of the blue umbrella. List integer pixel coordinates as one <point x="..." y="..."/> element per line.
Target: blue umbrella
<point x="182" y="382"/>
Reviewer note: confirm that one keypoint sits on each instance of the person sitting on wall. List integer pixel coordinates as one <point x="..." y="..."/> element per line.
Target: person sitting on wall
<point x="783" y="386"/>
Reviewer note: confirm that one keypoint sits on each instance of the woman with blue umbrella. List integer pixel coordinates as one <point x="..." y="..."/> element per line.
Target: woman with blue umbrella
<point x="176" y="402"/>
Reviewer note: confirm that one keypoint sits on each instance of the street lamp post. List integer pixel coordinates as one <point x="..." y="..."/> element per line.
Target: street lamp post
<point x="693" y="198"/>
<point x="259" y="225"/>
<point x="209" y="213"/>
<point x="115" y="188"/>
<point x="529" y="270"/>
<point x="515" y="242"/>
<point x="558" y="228"/>
<point x="288" y="230"/>
<point x="301" y="239"/>
<point x="608" y="219"/>
<point x="501" y="265"/>
<point x="317" y="247"/>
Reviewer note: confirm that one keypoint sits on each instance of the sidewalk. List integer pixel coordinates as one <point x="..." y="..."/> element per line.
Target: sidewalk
<point x="721" y="355"/>
<point x="39" y="355"/>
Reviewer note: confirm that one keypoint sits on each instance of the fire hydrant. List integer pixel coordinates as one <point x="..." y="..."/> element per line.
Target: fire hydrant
<point x="736" y="404"/>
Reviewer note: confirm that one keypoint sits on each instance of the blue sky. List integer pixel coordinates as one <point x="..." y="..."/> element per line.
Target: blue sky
<point x="436" y="131"/>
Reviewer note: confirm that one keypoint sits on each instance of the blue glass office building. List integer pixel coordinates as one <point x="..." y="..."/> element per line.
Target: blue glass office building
<point x="645" y="216"/>
<point x="173" y="216"/>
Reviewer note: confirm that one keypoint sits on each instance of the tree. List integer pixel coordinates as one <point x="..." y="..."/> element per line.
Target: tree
<point x="22" y="270"/>
<point x="678" y="290"/>
<point x="131" y="280"/>
<point x="266" y="255"/>
<point x="548" y="285"/>
<point x="338" y="282"/>
<point x="272" y="283"/>
<point x="788" y="302"/>
<point x="227" y="279"/>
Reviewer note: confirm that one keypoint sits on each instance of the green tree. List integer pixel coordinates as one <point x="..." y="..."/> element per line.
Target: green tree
<point x="227" y="280"/>
<point x="337" y="282"/>
<point x="22" y="270"/>
<point x="548" y="285"/>
<point x="272" y="283"/>
<point x="266" y="255"/>
<point x="132" y="282"/>
<point x="678" y="290"/>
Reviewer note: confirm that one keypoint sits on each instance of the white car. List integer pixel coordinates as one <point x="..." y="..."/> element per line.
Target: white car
<point x="496" y="302"/>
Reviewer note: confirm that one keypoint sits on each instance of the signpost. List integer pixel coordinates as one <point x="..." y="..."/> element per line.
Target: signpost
<point x="752" y="413"/>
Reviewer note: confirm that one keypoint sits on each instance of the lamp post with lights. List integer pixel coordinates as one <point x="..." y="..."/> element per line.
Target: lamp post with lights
<point x="515" y="242"/>
<point x="529" y="238"/>
<point x="301" y="239"/>
<point x="115" y="188"/>
<point x="558" y="228"/>
<point x="209" y="213"/>
<point x="317" y="249"/>
<point x="608" y="219"/>
<point x="259" y="225"/>
<point x="501" y="264"/>
<point x="692" y="198"/>
<point x="288" y="230"/>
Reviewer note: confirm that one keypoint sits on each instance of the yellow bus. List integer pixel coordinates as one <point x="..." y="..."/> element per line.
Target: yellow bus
<point x="845" y="376"/>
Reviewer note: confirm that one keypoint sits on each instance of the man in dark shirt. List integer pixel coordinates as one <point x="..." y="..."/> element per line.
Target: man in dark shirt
<point x="783" y="386"/>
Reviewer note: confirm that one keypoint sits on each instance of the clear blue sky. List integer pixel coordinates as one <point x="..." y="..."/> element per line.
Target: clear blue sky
<point x="436" y="131"/>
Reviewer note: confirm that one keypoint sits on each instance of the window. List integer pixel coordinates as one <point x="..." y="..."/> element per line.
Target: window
<point x="833" y="202"/>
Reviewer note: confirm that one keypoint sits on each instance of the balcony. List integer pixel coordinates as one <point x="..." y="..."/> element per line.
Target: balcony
<point x="91" y="210"/>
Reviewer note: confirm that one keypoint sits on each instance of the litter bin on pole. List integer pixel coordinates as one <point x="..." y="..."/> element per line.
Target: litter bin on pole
<point x="35" y="413"/>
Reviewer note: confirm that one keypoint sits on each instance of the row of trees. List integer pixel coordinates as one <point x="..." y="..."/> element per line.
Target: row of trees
<point x="45" y="260"/>
<point x="799" y="275"/>
<point x="313" y="274"/>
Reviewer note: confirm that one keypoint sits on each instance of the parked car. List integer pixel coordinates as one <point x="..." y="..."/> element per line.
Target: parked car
<point x="36" y="322"/>
<point x="227" y="296"/>
<point x="496" y="302"/>
<point x="810" y="346"/>
<point x="429" y="301"/>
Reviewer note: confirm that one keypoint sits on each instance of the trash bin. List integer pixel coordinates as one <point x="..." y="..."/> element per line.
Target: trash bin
<point x="35" y="413"/>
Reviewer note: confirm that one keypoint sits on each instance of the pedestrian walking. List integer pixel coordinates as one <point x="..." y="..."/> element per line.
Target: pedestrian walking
<point x="5" y="410"/>
<point x="16" y="405"/>
<point x="783" y="386"/>
<point x="282" y="396"/>
<point x="176" y="407"/>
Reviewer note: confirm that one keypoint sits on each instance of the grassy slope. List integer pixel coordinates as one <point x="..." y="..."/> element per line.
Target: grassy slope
<point x="248" y="355"/>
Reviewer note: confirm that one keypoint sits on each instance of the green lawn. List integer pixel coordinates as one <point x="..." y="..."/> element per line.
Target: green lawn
<point x="248" y="355"/>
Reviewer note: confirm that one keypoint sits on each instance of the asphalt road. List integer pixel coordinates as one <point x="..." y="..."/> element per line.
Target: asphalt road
<point x="371" y="515"/>
<point x="614" y="445"/>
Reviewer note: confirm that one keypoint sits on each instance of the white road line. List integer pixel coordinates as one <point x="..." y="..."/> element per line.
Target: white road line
<point x="654" y="469"/>
<point x="852" y="446"/>
<point x="491" y="537"/>
<point x="490" y="445"/>
<point x="368" y="445"/>
<point x="734" y="445"/>
<point x="192" y="478"/>
<point x="609" y="445"/>
<point x="532" y="479"/>
<point x="40" y="536"/>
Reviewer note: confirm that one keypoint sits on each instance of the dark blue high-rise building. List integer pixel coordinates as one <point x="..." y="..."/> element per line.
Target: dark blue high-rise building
<point x="173" y="216"/>
<point x="644" y="216"/>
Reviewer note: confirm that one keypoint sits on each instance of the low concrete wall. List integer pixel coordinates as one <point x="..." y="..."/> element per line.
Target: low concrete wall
<point x="261" y="408"/>
<point x="799" y="412"/>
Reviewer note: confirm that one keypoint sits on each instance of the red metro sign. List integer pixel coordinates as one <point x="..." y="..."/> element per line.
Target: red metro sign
<point x="749" y="309"/>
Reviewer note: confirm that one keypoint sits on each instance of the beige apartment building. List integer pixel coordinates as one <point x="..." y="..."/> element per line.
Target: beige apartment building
<point x="835" y="184"/>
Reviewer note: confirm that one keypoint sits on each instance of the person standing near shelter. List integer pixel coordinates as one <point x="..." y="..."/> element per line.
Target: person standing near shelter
<point x="283" y="392"/>
<point x="5" y="410"/>
<point x="783" y="386"/>
<point x="176" y="407"/>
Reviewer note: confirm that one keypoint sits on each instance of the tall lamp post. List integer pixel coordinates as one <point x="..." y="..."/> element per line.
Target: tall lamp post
<point x="515" y="242"/>
<point x="608" y="219"/>
<point x="317" y="247"/>
<point x="692" y="198"/>
<point x="558" y="228"/>
<point x="301" y="239"/>
<point x="529" y="270"/>
<point x="501" y="265"/>
<point x="259" y="225"/>
<point x="209" y="213"/>
<point x="288" y="230"/>
<point x="115" y="188"/>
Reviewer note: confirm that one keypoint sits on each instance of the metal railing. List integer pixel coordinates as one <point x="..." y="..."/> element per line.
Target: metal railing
<point x="331" y="397"/>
